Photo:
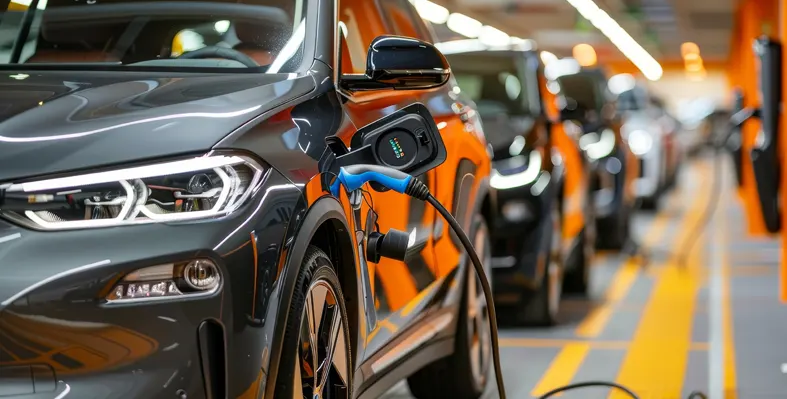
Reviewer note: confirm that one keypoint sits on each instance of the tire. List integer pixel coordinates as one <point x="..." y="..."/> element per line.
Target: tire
<point x="465" y="373"/>
<point x="618" y="238"/>
<point x="541" y="309"/>
<point x="316" y="287"/>
<point x="651" y="203"/>
<point x="577" y="277"/>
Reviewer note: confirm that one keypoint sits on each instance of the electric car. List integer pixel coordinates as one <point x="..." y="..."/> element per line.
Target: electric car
<point x="587" y="110"/>
<point x="170" y="224"/>
<point x="648" y="133"/>
<point x="543" y="230"/>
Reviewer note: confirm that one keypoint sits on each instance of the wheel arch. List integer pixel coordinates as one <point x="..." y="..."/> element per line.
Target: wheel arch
<point x="325" y="226"/>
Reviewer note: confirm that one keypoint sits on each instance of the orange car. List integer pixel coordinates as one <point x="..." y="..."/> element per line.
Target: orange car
<point x="434" y="274"/>
<point x="544" y="231"/>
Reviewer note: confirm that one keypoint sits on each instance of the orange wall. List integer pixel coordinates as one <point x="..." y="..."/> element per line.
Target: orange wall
<point x="753" y="19"/>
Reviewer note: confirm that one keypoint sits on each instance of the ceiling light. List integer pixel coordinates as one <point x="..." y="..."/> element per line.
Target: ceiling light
<point x="464" y="25"/>
<point x="621" y="83"/>
<point x="689" y="48"/>
<point x="523" y="44"/>
<point x="619" y="37"/>
<point x="562" y="67"/>
<point x="460" y="46"/>
<point x="493" y="37"/>
<point x="584" y="54"/>
<point x="431" y="12"/>
<point x="547" y="57"/>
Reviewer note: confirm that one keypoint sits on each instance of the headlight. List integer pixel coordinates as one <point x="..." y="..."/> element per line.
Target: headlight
<point x="640" y="142"/>
<point x="189" y="189"/>
<point x="520" y="174"/>
<point x="598" y="146"/>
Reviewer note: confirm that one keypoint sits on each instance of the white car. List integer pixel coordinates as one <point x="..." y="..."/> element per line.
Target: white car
<point x="648" y="132"/>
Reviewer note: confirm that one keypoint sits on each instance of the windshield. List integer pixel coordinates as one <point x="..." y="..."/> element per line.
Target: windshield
<point x="632" y="100"/>
<point x="583" y="89"/>
<point x="495" y="84"/>
<point x="266" y="35"/>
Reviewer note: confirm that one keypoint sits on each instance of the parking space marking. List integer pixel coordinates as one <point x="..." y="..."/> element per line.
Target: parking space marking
<point x="592" y="344"/>
<point x="562" y="368"/>
<point x="655" y="364"/>
<point x="624" y="278"/>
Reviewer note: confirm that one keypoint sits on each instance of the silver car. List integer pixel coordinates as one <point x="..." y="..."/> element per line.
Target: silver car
<point x="648" y="132"/>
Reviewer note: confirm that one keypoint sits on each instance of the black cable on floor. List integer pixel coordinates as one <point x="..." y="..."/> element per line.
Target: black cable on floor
<point x="710" y="208"/>
<point x="588" y="384"/>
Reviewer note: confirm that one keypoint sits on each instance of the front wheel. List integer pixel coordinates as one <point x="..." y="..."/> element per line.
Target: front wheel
<point x="541" y="309"/>
<point x="316" y="359"/>
<point x="465" y="373"/>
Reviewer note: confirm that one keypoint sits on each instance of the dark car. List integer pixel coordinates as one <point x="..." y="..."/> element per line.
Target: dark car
<point x="589" y="108"/>
<point x="167" y="223"/>
<point x="543" y="228"/>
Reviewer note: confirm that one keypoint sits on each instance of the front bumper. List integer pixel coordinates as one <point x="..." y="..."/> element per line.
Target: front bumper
<point x="609" y="180"/>
<point x="56" y="325"/>
<point x="518" y="243"/>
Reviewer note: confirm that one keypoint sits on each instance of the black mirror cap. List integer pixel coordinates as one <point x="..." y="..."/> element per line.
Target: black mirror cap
<point x="403" y="63"/>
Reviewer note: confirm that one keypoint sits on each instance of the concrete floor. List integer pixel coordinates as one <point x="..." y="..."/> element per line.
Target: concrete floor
<point x="713" y="324"/>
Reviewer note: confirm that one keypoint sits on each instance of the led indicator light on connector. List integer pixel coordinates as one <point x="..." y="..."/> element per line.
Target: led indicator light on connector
<point x="396" y="147"/>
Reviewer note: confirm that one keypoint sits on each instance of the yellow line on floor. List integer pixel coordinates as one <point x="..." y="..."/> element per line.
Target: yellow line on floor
<point x="592" y="344"/>
<point x="595" y="322"/>
<point x="572" y="354"/>
<point x="655" y="365"/>
<point x="562" y="369"/>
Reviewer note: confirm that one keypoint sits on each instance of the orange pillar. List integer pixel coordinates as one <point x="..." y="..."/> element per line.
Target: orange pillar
<point x="753" y="19"/>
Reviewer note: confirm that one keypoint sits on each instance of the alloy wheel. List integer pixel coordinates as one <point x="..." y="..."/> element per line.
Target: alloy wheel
<point x="322" y="366"/>
<point x="553" y="267"/>
<point x="478" y="313"/>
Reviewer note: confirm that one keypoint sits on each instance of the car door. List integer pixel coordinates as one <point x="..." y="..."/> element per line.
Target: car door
<point x="398" y="287"/>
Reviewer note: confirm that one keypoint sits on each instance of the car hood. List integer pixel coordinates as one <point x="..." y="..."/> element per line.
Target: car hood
<point x="53" y="122"/>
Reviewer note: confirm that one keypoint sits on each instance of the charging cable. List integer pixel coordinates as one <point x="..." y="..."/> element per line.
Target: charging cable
<point x="716" y="188"/>
<point x="355" y="176"/>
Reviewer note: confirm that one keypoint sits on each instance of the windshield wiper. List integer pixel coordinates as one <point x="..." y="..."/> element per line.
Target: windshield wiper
<point x="24" y="30"/>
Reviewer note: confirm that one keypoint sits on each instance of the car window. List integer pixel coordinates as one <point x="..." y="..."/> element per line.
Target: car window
<point x="494" y="83"/>
<point x="229" y="33"/>
<point x="583" y="89"/>
<point x="402" y="19"/>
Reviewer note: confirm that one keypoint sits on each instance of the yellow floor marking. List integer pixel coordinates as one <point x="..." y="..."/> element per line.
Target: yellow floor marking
<point x="572" y="354"/>
<point x="655" y="364"/>
<point x="595" y="322"/>
<point x="560" y="343"/>
<point x="562" y="369"/>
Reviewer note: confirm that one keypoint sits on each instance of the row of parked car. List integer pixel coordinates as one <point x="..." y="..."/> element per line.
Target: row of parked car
<point x="168" y="228"/>
<point x="574" y="155"/>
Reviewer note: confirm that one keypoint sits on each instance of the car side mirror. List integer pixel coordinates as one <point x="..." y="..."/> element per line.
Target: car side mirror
<point x="396" y="62"/>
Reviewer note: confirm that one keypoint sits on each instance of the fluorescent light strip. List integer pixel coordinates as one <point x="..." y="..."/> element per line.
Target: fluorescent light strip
<point x="619" y="37"/>
<point x="464" y="25"/>
<point x="431" y="12"/>
<point x="480" y="36"/>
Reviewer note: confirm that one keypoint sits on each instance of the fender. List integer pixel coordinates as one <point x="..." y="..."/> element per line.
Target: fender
<point x="324" y="209"/>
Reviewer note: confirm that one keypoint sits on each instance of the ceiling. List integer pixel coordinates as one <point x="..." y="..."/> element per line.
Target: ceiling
<point x="660" y="26"/>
